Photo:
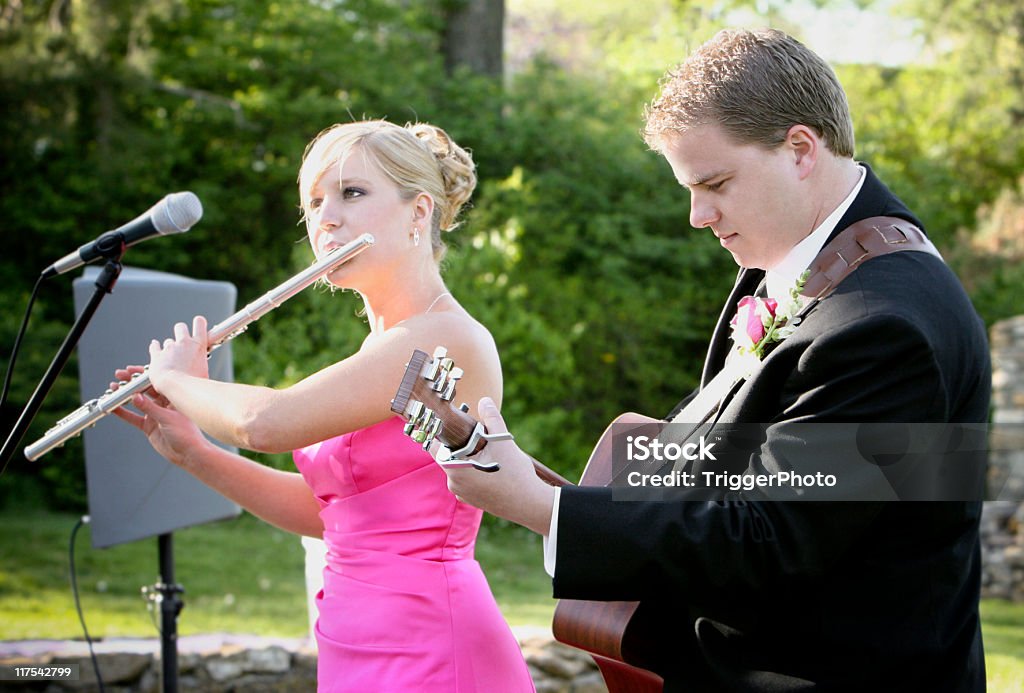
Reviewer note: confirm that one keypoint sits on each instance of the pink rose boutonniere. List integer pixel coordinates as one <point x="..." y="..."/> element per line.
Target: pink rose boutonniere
<point x="760" y="322"/>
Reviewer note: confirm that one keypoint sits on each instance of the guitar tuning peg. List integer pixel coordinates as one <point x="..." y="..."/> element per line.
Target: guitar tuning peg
<point x="417" y="415"/>
<point x="438" y="364"/>
<point x="423" y="428"/>
<point x="414" y="411"/>
<point x="449" y="391"/>
<point x="426" y="434"/>
<point x="432" y="432"/>
<point x="456" y="373"/>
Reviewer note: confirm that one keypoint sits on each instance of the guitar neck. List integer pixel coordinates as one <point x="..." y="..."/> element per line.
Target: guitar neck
<point x="457" y="427"/>
<point x="549" y="476"/>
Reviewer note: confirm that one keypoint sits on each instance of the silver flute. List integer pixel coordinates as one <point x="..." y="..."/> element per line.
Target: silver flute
<point x="92" y="411"/>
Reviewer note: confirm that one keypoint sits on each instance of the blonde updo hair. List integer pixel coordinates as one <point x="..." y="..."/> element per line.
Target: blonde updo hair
<point x="418" y="158"/>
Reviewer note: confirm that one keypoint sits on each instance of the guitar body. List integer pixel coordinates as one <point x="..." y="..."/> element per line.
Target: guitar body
<point x="604" y="628"/>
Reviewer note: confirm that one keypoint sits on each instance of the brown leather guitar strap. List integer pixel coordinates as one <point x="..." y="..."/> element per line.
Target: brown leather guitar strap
<point x="857" y="243"/>
<point x="854" y="245"/>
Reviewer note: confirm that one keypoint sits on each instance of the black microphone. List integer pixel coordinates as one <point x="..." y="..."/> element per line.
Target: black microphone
<point x="176" y="213"/>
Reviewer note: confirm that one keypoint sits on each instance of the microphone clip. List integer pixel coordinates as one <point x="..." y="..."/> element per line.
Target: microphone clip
<point x="110" y="245"/>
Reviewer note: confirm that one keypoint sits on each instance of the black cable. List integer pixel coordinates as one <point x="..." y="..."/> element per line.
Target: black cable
<point x="17" y="341"/>
<point x="14" y="355"/>
<point x="78" y="606"/>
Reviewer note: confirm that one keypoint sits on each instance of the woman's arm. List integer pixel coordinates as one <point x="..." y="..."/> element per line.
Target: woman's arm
<point x="346" y="396"/>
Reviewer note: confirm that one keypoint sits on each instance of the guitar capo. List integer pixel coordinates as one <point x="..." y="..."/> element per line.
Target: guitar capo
<point x="445" y="455"/>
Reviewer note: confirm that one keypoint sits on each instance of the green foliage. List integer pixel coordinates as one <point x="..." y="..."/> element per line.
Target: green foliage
<point x="990" y="259"/>
<point x="603" y="257"/>
<point x="576" y="254"/>
<point x="632" y="40"/>
<point x="106" y="111"/>
<point x="935" y="160"/>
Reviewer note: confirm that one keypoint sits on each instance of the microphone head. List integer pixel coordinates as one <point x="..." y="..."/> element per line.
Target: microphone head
<point x="176" y="213"/>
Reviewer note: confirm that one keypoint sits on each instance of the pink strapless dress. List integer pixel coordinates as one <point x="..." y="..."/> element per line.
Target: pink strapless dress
<point x="405" y="606"/>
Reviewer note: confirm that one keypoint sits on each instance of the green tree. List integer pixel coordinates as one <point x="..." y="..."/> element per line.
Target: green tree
<point x="576" y="252"/>
<point x="600" y="254"/>
<point x="108" y="106"/>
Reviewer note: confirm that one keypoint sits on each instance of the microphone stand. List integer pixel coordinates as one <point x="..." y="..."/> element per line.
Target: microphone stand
<point x="167" y="589"/>
<point x="104" y="285"/>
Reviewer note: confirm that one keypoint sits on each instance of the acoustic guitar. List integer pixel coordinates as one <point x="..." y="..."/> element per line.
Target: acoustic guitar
<point x="607" y="631"/>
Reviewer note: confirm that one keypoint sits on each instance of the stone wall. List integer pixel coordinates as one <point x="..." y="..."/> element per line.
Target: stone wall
<point x="229" y="664"/>
<point x="1002" y="527"/>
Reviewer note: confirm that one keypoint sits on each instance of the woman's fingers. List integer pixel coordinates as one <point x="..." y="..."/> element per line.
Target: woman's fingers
<point x="199" y="329"/>
<point x="127" y="372"/>
<point x="130" y="417"/>
<point x="181" y="331"/>
<point x="123" y="375"/>
<point x="151" y="405"/>
<point x="148" y="406"/>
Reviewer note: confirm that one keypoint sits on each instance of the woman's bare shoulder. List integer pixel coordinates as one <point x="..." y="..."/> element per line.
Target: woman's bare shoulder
<point x="466" y="341"/>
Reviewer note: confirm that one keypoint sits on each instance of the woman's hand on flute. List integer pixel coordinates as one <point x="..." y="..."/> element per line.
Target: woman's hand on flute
<point x="184" y="353"/>
<point x="169" y="431"/>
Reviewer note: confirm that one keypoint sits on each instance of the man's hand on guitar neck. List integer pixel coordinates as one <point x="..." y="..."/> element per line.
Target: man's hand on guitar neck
<point x="514" y="492"/>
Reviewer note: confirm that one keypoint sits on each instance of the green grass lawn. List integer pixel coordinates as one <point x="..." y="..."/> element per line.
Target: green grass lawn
<point x="1002" y="626"/>
<point x="242" y="576"/>
<point x="239" y="575"/>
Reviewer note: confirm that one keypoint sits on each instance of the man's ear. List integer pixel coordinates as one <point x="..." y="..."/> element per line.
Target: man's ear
<point x="805" y="145"/>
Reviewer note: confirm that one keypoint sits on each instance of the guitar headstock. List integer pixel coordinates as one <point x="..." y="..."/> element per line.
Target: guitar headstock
<point x="424" y="400"/>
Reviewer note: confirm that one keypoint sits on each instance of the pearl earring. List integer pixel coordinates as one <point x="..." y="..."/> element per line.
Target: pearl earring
<point x="415" y="236"/>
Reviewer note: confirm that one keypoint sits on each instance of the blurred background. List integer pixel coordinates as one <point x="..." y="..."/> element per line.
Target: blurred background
<point x="576" y="252"/>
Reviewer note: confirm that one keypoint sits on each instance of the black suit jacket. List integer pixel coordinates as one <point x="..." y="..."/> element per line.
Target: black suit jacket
<point x="792" y="596"/>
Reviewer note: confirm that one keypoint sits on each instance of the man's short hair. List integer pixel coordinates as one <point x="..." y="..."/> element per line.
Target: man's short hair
<point x="756" y="85"/>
